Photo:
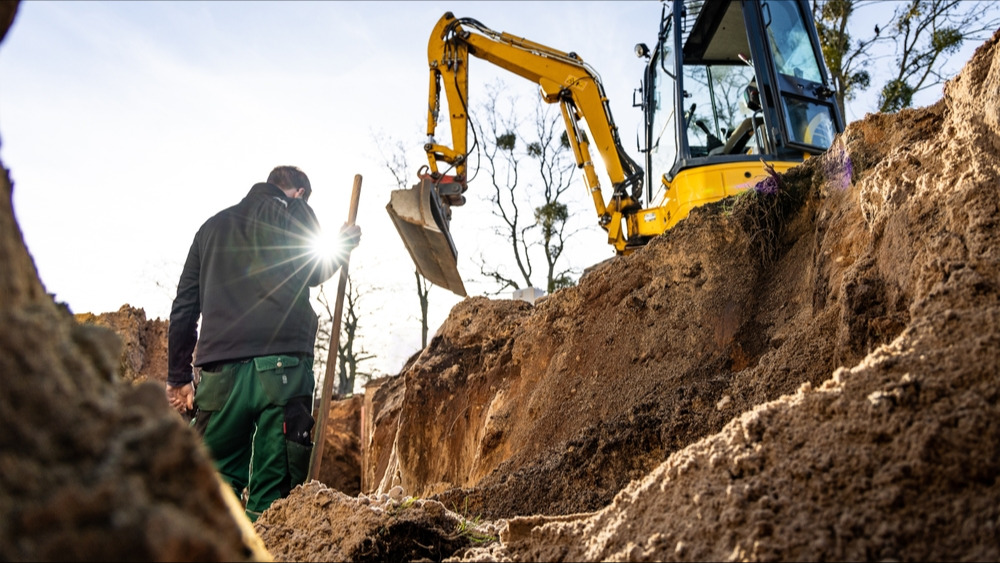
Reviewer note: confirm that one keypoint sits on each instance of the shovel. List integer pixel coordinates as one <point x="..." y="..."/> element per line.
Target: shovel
<point x="331" y="358"/>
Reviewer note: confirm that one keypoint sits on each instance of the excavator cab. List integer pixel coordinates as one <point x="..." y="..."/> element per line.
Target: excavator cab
<point x="731" y="88"/>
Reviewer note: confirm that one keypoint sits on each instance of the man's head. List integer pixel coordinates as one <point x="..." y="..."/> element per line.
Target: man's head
<point x="292" y="181"/>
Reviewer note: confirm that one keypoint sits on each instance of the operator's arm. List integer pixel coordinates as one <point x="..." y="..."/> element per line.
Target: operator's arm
<point x="183" y="330"/>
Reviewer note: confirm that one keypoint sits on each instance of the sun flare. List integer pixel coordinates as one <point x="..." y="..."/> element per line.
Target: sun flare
<point x="326" y="245"/>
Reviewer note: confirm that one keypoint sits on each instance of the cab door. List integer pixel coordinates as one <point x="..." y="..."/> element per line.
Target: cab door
<point x="783" y="34"/>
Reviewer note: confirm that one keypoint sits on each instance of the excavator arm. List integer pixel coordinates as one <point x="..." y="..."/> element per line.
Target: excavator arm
<point x="422" y="214"/>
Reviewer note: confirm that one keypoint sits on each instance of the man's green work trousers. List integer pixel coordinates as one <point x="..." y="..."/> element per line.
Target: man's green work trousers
<point x="255" y="417"/>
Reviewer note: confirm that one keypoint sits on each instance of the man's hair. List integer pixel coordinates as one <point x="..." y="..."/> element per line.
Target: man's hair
<point x="290" y="178"/>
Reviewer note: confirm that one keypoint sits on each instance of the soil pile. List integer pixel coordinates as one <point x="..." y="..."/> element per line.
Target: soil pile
<point x="144" y="342"/>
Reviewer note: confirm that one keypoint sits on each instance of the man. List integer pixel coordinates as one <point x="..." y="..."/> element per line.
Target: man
<point x="247" y="276"/>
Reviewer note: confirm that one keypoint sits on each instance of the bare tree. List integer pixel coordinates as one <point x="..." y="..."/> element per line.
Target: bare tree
<point x="324" y="331"/>
<point x="923" y="35"/>
<point x="503" y="132"/>
<point x="551" y="151"/>
<point x="395" y="161"/>
<point x="502" y="164"/>
<point x="350" y="353"/>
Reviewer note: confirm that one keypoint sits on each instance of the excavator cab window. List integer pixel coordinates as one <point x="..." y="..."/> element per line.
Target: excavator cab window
<point x="716" y="111"/>
<point x="659" y="107"/>
<point x="719" y="123"/>
<point x="809" y="116"/>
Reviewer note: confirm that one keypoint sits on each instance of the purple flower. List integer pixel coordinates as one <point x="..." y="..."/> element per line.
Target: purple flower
<point x="838" y="168"/>
<point x="768" y="186"/>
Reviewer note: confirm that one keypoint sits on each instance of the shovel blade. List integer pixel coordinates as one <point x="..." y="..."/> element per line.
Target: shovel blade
<point x="422" y="223"/>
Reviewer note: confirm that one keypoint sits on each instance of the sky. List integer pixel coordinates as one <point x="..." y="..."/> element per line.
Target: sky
<point x="126" y="124"/>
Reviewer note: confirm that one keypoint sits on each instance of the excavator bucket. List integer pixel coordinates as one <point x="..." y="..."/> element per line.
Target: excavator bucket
<point x="422" y="223"/>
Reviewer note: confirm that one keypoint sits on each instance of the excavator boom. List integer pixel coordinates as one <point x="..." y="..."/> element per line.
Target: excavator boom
<point x="422" y="214"/>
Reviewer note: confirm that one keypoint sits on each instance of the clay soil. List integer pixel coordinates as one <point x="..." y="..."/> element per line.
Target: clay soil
<point x="810" y="374"/>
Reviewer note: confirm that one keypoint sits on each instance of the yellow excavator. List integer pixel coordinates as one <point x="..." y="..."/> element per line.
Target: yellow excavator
<point x="730" y="89"/>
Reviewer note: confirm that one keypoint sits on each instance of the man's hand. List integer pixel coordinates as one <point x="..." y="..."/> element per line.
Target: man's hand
<point x="350" y="236"/>
<point x="181" y="398"/>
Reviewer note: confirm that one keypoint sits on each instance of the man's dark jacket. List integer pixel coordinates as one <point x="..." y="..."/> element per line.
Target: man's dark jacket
<point x="248" y="275"/>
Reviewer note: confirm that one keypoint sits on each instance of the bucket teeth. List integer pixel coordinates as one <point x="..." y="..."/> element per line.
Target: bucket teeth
<point x="422" y="222"/>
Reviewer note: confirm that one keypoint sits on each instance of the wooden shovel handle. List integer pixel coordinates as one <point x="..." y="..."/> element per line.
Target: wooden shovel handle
<point x="331" y="358"/>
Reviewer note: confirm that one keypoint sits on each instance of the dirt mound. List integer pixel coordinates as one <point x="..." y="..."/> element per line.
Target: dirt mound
<point x="805" y="376"/>
<point x="144" y="342"/>
<point x="91" y="467"/>
<point x="378" y="528"/>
